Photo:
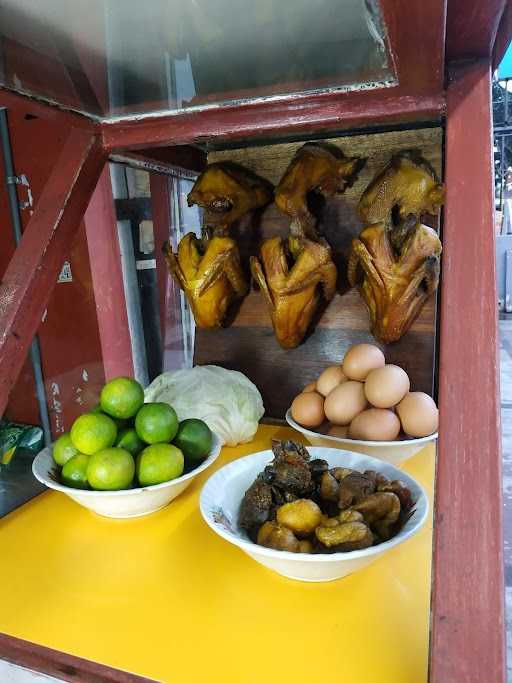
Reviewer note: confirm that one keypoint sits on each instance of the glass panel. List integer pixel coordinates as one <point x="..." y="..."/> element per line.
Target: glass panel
<point x="161" y="324"/>
<point x="110" y="58"/>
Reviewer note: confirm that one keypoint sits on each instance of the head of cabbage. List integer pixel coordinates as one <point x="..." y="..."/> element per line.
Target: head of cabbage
<point x="226" y="400"/>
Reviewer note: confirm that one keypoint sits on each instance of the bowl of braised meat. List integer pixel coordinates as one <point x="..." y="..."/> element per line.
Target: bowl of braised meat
<point x="315" y="514"/>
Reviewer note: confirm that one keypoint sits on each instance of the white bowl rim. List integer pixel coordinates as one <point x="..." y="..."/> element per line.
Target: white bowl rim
<point x="251" y="547"/>
<point x="358" y="442"/>
<point x="50" y="483"/>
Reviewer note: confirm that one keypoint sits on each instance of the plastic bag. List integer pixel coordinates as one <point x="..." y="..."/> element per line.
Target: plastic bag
<point x="226" y="400"/>
<point x="13" y="436"/>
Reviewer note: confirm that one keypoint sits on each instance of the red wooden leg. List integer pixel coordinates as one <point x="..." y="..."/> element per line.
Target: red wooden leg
<point x="34" y="267"/>
<point x="468" y="608"/>
<point x="107" y="277"/>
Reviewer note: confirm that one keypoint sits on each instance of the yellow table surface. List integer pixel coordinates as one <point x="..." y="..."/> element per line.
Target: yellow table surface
<point x="165" y="597"/>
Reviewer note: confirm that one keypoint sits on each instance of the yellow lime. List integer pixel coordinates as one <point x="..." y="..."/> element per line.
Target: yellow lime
<point x="121" y="397"/>
<point x="63" y="449"/>
<point x="129" y="440"/>
<point x="194" y="438"/>
<point x="158" y="463"/>
<point x="92" y="432"/>
<point x="156" y="423"/>
<point x="74" y="472"/>
<point x="111" y="469"/>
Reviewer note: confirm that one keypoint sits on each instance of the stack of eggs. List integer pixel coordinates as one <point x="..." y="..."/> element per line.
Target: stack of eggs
<point x="366" y="399"/>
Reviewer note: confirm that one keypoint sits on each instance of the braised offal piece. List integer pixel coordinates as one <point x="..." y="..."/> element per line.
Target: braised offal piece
<point x="300" y="505"/>
<point x="208" y="270"/>
<point x="395" y="260"/>
<point x="295" y="274"/>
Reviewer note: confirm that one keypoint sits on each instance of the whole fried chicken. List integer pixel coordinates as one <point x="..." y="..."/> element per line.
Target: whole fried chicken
<point x="395" y="262"/>
<point x="294" y="275"/>
<point x="208" y="270"/>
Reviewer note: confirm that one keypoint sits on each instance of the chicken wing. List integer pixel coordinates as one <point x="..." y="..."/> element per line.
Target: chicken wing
<point x="396" y="260"/>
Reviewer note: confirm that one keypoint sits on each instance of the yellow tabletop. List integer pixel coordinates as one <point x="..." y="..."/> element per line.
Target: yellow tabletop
<point x="165" y="597"/>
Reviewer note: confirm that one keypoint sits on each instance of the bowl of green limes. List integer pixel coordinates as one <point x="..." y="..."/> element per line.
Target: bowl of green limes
<point x="126" y="458"/>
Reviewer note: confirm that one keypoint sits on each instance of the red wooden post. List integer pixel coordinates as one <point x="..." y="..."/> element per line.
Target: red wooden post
<point x="107" y="277"/>
<point x="468" y="621"/>
<point x="34" y="267"/>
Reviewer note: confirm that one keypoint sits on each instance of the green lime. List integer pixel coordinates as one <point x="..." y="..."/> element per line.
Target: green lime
<point x="158" y="463"/>
<point x="92" y="432"/>
<point x="74" y="472"/>
<point x="120" y="424"/>
<point x="121" y="397"/>
<point x="194" y="438"/>
<point x="63" y="449"/>
<point x="129" y="440"/>
<point x="111" y="469"/>
<point x="156" y="423"/>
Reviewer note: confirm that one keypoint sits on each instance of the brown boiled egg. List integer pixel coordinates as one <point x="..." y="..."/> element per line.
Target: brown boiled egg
<point x="309" y="387"/>
<point x="418" y="414"/>
<point x="385" y="387"/>
<point x="360" y="359"/>
<point x="330" y="378"/>
<point x="308" y="409"/>
<point x="375" y="424"/>
<point x="337" y="430"/>
<point x="345" y="402"/>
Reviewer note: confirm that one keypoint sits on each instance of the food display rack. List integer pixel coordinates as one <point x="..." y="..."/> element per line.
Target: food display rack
<point x="443" y="57"/>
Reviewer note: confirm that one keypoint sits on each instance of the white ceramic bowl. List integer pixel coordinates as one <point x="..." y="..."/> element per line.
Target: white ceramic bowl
<point x="223" y="492"/>
<point x="126" y="503"/>
<point x="394" y="452"/>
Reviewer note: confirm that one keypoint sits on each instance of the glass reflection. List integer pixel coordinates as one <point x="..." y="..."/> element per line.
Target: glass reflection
<point x="111" y="58"/>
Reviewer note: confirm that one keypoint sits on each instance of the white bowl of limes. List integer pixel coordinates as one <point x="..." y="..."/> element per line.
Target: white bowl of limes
<point x="127" y="458"/>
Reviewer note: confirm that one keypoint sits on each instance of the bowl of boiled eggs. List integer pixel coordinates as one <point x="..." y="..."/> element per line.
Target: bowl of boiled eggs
<point x="365" y="405"/>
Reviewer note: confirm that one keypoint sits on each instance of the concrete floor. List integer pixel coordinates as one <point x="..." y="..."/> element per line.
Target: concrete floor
<point x="506" y="421"/>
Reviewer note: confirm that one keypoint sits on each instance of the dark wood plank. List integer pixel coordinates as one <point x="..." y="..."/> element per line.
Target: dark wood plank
<point x="468" y="621"/>
<point x="61" y="665"/>
<point x="280" y="375"/>
<point x="32" y="272"/>
<point x="250" y="344"/>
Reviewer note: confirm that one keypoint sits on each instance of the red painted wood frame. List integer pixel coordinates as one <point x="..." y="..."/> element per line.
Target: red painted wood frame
<point x="468" y="610"/>
<point x="36" y="263"/>
<point x="107" y="278"/>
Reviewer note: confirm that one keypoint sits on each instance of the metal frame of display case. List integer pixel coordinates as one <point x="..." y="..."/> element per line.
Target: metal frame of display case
<point x="467" y="642"/>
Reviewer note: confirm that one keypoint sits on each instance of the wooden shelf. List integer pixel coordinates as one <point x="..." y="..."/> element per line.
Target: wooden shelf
<point x="164" y="597"/>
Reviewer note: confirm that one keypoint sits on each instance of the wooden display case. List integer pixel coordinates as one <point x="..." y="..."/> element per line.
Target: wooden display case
<point x="443" y="55"/>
